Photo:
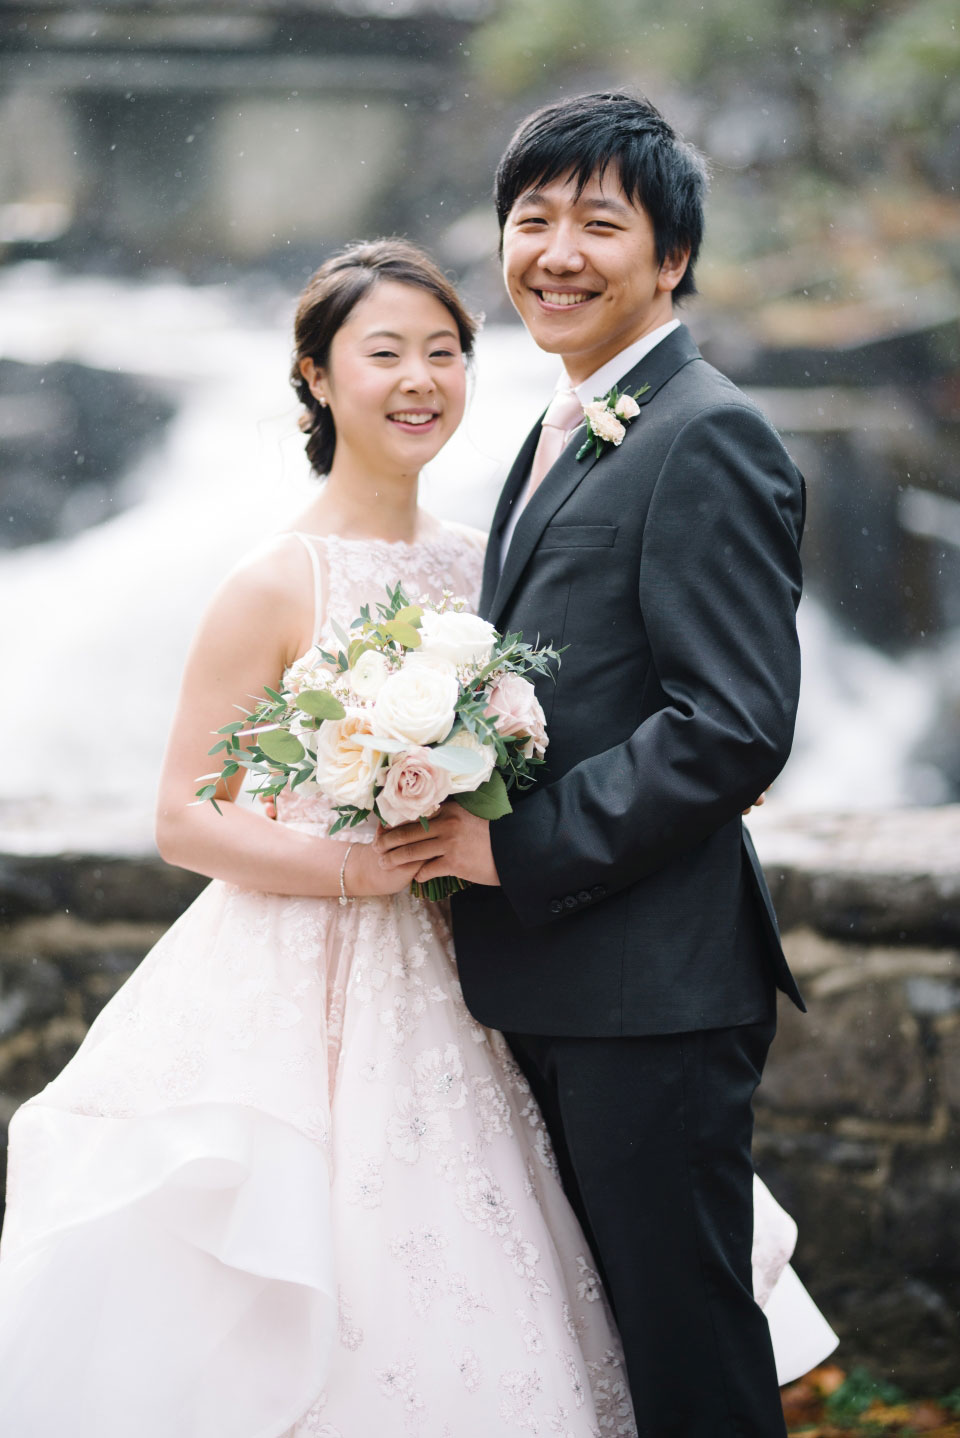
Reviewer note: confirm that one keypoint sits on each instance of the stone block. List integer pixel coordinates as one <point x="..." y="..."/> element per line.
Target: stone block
<point x="31" y="990"/>
<point x="948" y="1043"/>
<point x="857" y="1053"/>
<point x="95" y="888"/>
<point x="921" y="1210"/>
<point x="903" y="1329"/>
<point x="837" y="1205"/>
<point x="31" y="1058"/>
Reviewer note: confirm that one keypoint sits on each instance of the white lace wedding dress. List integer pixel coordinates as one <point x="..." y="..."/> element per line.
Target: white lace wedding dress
<point x="289" y="1187"/>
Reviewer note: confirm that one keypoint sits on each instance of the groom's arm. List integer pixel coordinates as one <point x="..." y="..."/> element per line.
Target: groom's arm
<point x="718" y="588"/>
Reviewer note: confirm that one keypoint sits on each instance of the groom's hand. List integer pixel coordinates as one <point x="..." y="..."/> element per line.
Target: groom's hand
<point x="456" y="843"/>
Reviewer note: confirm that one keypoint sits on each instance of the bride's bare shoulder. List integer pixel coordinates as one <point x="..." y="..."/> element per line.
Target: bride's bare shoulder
<point x="273" y="572"/>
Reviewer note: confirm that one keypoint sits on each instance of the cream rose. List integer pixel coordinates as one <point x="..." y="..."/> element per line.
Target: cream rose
<point x="416" y="704"/>
<point x="626" y="407"/>
<point x="368" y="675"/>
<point x="459" y="638"/>
<point x="605" y="424"/>
<point x="516" y="710"/>
<point x="346" y="769"/>
<point x="470" y="778"/>
<point x="414" y="788"/>
<point x="308" y="672"/>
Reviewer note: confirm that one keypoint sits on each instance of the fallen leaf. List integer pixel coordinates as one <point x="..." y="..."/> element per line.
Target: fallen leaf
<point x="828" y="1379"/>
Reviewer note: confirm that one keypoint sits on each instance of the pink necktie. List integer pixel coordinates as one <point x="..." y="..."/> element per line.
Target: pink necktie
<point x="564" y="412"/>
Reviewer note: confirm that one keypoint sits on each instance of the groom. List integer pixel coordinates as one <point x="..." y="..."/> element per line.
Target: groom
<point x="619" y="929"/>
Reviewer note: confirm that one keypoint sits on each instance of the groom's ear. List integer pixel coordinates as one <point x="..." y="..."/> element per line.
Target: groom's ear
<point x="672" y="270"/>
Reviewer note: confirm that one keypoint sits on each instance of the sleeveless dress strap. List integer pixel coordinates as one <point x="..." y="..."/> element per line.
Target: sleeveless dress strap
<point x="317" y="585"/>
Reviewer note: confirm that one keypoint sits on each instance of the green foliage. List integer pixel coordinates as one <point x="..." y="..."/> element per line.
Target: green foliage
<point x="858" y="1390"/>
<point x="320" y="704"/>
<point x="531" y="41"/>
<point x="281" y="747"/>
<point x="490" y="801"/>
<point x="859" y="70"/>
<point x="908" y="68"/>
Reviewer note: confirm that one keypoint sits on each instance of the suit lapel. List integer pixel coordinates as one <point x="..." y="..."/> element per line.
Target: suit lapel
<point x="670" y="355"/>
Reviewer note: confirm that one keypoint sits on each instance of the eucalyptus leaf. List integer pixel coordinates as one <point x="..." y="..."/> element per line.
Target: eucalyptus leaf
<point x="320" y="704"/>
<point x="458" y="758"/>
<point x="409" y="614"/>
<point x="282" y="747"/>
<point x="380" y="743"/>
<point x="490" y="801"/>
<point x="404" y="634"/>
<point x="358" y="647"/>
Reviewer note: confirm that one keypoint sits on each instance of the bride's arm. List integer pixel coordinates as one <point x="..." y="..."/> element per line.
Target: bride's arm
<point x="252" y="630"/>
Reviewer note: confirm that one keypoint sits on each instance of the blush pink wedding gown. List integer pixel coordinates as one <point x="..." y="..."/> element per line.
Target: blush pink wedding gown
<point x="289" y="1187"/>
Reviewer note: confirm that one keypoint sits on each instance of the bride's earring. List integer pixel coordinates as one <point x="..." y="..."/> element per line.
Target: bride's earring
<point x="322" y="401"/>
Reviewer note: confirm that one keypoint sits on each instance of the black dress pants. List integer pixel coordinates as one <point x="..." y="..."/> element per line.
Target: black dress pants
<point x="653" y="1138"/>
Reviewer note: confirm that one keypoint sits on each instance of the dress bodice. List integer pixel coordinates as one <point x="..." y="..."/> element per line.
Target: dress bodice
<point x="349" y="573"/>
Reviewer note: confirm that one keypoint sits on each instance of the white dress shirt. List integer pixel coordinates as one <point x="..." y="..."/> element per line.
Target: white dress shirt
<point x="595" y="386"/>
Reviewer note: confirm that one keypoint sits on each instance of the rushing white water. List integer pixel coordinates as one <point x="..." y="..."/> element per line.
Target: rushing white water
<point x="94" y="629"/>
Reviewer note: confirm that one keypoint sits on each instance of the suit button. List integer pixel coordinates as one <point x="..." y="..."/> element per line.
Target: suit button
<point x="583" y="896"/>
<point x="598" y="891"/>
<point x="556" y="907"/>
<point x="569" y="902"/>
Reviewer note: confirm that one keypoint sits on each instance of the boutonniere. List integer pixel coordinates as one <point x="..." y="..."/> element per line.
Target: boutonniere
<point x="607" y="419"/>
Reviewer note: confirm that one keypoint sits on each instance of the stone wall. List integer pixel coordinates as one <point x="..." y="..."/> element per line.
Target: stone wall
<point x="857" y="1129"/>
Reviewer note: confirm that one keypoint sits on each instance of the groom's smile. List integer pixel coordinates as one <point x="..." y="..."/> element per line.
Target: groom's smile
<point x="582" y="270"/>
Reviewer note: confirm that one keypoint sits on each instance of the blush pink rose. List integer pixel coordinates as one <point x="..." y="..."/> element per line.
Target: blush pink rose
<point x="414" y="788"/>
<point x="515" y="708"/>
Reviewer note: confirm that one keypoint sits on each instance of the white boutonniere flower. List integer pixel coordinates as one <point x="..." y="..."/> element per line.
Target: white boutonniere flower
<point x="607" y="418"/>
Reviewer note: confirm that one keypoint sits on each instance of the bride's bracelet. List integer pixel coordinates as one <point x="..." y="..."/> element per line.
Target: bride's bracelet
<point x="345" y="898"/>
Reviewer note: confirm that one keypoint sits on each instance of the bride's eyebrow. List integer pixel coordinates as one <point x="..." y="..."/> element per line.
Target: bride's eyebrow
<point x="392" y="335"/>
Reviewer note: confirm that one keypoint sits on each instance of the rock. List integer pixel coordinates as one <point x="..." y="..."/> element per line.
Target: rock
<point x="31" y="989"/>
<point x="855" y="1053"/>
<point x="921" y="1211"/>
<point x="902" y="1329"/>
<point x="874" y="877"/>
<point x="948" y="1042"/>
<point x="93" y="887"/>
<point x="837" y="1205"/>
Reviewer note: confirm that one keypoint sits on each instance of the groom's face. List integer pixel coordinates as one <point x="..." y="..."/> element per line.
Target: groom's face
<point x="582" y="270"/>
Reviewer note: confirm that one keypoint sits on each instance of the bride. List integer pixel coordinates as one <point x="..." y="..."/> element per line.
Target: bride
<point x="288" y="1186"/>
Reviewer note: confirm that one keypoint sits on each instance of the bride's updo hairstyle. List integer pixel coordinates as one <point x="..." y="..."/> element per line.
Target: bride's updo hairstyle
<point x="331" y="294"/>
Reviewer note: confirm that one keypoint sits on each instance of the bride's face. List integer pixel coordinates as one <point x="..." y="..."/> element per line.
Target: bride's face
<point x="396" y="381"/>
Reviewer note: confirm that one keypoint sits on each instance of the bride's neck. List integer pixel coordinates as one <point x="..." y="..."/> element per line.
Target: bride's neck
<point x="355" y="505"/>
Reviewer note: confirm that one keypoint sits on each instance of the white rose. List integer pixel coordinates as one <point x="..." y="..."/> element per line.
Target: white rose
<point x="308" y="672"/>
<point x="460" y="638"/>
<point x="470" y="779"/>
<point x="626" y="407"/>
<point x="368" y="674"/>
<point x="346" y="770"/>
<point x="605" y="424"/>
<point x="429" y="660"/>
<point x="416" y="704"/>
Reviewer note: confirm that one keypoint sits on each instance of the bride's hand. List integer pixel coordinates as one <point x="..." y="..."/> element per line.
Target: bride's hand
<point x="756" y="803"/>
<point x="365" y="877"/>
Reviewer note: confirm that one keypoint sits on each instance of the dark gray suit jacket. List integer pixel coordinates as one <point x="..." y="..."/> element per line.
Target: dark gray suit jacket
<point x="631" y="900"/>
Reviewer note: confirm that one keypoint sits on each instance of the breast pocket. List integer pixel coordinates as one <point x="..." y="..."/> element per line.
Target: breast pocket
<point x="579" y="536"/>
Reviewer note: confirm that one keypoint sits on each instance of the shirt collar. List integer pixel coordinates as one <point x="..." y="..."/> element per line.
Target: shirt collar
<point x="602" y="380"/>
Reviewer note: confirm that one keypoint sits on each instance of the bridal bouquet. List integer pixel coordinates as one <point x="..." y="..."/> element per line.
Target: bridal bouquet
<point x="423" y="703"/>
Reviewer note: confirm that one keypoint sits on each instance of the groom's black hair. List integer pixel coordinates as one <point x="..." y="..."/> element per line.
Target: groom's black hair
<point x="583" y="136"/>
